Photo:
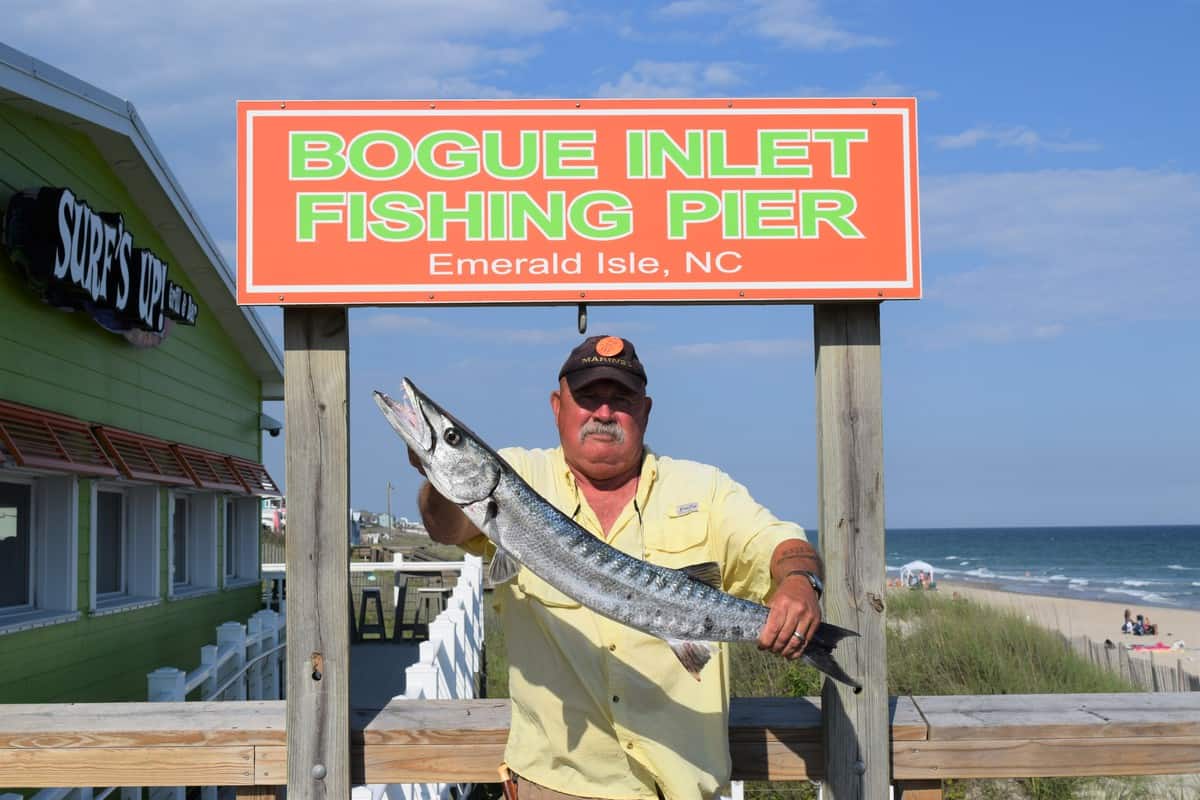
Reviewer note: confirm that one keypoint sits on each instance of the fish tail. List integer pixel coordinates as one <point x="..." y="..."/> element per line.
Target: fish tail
<point x="821" y="658"/>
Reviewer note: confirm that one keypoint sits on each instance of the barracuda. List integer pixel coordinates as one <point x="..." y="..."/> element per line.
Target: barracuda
<point x="683" y="607"/>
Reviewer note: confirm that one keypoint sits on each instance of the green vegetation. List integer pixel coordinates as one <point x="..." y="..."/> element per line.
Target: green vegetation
<point x="936" y="646"/>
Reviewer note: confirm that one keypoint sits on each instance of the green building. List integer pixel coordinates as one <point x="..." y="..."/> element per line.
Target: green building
<point x="131" y="392"/>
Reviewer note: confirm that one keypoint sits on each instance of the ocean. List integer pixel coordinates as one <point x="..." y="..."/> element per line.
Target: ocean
<point x="1139" y="566"/>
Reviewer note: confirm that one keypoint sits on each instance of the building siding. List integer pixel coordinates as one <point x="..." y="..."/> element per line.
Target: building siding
<point x="194" y="388"/>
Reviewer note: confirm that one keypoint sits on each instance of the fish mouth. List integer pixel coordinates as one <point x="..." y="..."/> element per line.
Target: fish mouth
<point x="406" y="417"/>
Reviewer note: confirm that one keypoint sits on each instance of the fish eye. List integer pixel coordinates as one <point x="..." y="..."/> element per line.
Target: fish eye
<point x="452" y="437"/>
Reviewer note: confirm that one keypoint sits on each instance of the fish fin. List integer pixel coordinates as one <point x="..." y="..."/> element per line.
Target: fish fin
<point x="503" y="567"/>
<point x="822" y="659"/>
<point x="708" y="573"/>
<point x="693" y="655"/>
<point x="828" y="635"/>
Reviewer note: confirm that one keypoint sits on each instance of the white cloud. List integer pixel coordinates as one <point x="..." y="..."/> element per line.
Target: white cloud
<point x="1035" y="253"/>
<point x="880" y="84"/>
<point x="690" y="8"/>
<point x="1015" y="136"/>
<point x="802" y="24"/>
<point x="744" y="348"/>
<point x="675" y="79"/>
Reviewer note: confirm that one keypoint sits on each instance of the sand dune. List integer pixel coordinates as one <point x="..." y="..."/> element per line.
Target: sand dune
<point x="1095" y="619"/>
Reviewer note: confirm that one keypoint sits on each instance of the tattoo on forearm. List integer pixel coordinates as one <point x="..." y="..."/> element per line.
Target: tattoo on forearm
<point x="793" y="557"/>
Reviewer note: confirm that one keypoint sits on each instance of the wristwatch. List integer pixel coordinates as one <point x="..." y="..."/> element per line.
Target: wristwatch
<point x="813" y="578"/>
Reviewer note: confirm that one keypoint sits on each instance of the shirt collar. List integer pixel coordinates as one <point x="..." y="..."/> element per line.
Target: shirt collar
<point x="645" y="480"/>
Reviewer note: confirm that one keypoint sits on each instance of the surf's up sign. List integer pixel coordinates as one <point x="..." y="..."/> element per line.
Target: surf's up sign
<point x="564" y="201"/>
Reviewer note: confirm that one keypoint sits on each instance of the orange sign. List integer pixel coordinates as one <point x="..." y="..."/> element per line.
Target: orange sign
<point x="593" y="201"/>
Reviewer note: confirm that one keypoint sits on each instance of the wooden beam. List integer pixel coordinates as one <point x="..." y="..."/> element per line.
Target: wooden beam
<point x="850" y="521"/>
<point x="316" y="408"/>
<point x="453" y="741"/>
<point x="918" y="790"/>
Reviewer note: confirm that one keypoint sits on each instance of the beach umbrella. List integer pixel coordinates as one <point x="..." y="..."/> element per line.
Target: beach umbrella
<point x="910" y="573"/>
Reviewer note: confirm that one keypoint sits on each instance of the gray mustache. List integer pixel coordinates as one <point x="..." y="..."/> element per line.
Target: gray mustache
<point x="595" y="426"/>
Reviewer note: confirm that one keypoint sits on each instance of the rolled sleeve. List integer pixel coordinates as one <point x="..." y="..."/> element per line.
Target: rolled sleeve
<point x="750" y="533"/>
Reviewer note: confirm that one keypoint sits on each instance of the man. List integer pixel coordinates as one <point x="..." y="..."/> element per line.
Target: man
<point x="600" y="710"/>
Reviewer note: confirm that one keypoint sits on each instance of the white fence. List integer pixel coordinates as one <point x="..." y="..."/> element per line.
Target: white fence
<point x="448" y="667"/>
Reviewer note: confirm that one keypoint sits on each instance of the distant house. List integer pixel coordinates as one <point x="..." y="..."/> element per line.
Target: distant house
<point x="130" y="427"/>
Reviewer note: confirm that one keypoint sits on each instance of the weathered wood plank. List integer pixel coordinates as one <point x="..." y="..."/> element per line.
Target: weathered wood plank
<point x="127" y="766"/>
<point x="918" y="790"/>
<point x="69" y="725"/>
<point x="1061" y="716"/>
<point x="316" y="408"/>
<point x="851" y="522"/>
<point x="981" y="758"/>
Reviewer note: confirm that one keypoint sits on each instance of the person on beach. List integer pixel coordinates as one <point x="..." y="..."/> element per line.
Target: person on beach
<point x="600" y="710"/>
<point x="1127" y="625"/>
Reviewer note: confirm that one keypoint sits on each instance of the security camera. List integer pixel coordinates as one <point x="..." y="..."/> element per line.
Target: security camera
<point x="270" y="425"/>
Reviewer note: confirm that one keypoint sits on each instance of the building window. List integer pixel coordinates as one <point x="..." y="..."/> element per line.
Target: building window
<point x="193" y="542"/>
<point x="242" y="515"/>
<point x="16" y="551"/>
<point x="179" y="540"/>
<point x="110" y="543"/>
<point x="38" y="557"/>
<point x="125" y="537"/>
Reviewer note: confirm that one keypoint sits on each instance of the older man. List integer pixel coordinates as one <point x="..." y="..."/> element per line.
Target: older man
<point x="600" y="710"/>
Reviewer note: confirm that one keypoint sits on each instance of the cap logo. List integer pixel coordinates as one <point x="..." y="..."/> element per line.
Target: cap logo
<point x="609" y="346"/>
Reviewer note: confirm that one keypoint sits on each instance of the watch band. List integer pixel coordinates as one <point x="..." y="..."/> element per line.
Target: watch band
<point x="816" y="582"/>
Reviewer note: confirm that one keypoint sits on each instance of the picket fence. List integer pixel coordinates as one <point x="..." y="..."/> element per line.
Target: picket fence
<point x="248" y="660"/>
<point x="1153" y="674"/>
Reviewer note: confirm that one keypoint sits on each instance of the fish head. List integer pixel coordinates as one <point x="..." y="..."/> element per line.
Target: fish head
<point x="458" y="463"/>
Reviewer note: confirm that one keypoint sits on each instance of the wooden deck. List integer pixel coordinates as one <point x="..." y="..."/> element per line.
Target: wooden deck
<point x="244" y="744"/>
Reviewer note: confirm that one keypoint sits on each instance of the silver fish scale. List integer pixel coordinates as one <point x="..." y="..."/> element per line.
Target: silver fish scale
<point x="658" y="600"/>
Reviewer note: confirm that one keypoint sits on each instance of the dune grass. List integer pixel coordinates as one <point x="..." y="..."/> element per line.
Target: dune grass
<point x="937" y="645"/>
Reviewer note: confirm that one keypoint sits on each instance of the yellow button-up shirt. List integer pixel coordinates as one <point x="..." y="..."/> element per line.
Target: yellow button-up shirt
<point x="600" y="709"/>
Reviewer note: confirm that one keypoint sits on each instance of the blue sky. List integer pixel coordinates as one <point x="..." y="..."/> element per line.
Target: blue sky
<point x="1049" y="376"/>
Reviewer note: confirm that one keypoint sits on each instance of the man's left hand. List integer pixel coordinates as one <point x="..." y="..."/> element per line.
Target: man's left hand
<point x="794" y="617"/>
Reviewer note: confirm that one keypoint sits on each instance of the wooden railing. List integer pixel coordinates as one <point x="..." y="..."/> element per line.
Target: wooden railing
<point x="462" y="741"/>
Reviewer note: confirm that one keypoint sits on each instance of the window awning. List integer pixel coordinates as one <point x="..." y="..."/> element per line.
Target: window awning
<point x="143" y="457"/>
<point x="255" y="477"/>
<point x="31" y="437"/>
<point x="44" y="440"/>
<point x="210" y="470"/>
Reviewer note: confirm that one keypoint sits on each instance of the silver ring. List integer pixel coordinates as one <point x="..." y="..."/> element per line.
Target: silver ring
<point x="799" y="636"/>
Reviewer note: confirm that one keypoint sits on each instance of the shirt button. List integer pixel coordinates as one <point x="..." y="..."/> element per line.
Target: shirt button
<point x="616" y="699"/>
<point x="612" y="647"/>
<point x="629" y="745"/>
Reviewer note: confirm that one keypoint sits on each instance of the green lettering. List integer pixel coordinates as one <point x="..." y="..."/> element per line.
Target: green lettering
<point x="564" y="146"/>
<point x="718" y="159"/>
<point x="316" y="156"/>
<point x="312" y="208"/>
<point x="471" y="216"/>
<point x="688" y="159"/>
<point x="635" y="154"/>
<point x="493" y="164"/>
<point x="776" y="145"/>
<point x="831" y="207"/>
<point x="614" y="218"/>
<point x="524" y="211"/>
<point x="398" y="148"/>
<point x="684" y="208"/>
<point x="460" y="162"/>
<point x="397" y="221"/>
<point x="762" y="205"/>
<point x="839" y="143"/>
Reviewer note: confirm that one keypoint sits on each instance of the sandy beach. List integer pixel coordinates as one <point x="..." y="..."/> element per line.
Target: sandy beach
<point x="1095" y="619"/>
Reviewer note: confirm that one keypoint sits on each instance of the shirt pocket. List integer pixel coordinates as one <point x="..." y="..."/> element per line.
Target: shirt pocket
<point x="542" y="592"/>
<point x="680" y="539"/>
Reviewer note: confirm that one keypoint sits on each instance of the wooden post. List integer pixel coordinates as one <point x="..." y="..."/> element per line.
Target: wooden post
<point x="850" y="500"/>
<point x="316" y="364"/>
<point x="918" y="790"/>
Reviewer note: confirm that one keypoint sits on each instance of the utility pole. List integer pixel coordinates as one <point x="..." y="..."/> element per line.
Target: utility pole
<point x="391" y="524"/>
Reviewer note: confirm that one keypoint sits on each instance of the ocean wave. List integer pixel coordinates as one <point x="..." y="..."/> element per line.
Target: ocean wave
<point x="1180" y="566"/>
<point x="1079" y="582"/>
<point x="951" y="558"/>
<point x="1147" y="597"/>
<point x="1059" y="578"/>
<point x="981" y="572"/>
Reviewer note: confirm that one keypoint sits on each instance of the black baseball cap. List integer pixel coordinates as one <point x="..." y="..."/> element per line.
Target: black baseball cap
<point x="604" y="357"/>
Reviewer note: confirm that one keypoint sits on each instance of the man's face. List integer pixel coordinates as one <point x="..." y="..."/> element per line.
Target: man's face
<point x="601" y="426"/>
